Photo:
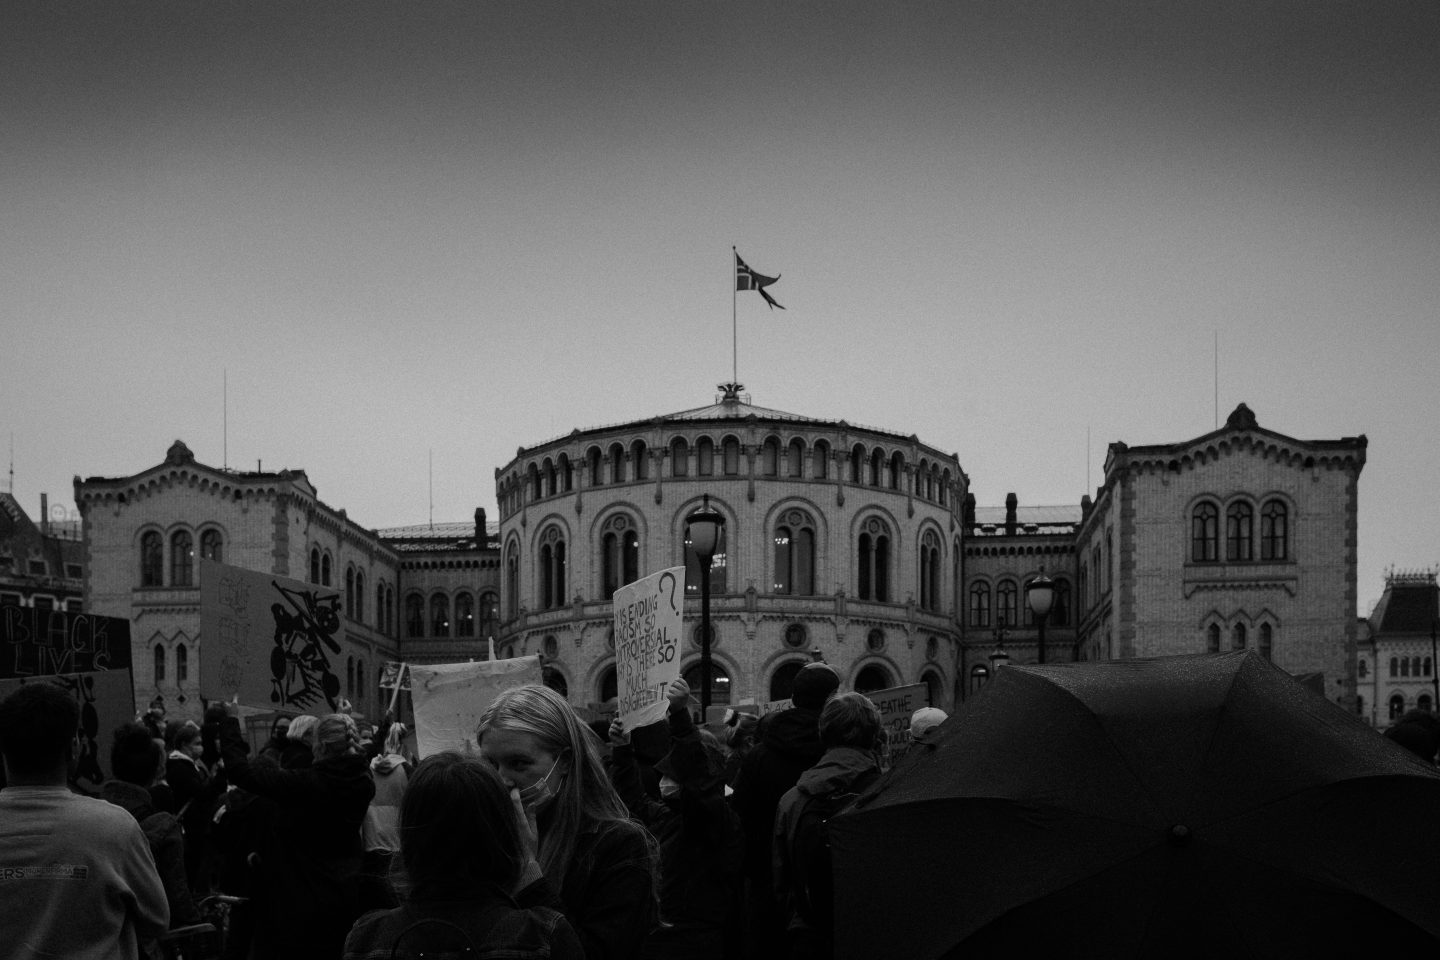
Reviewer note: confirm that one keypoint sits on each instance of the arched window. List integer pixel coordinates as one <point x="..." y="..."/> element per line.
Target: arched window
<point x="1239" y="531"/>
<point x="795" y="555"/>
<point x="640" y="456"/>
<point x="795" y="458"/>
<point x="979" y="604"/>
<point x="820" y="460"/>
<point x="679" y="457"/>
<point x="414" y="615"/>
<point x="547" y="469"/>
<point x="360" y="596"/>
<point x="731" y="451"/>
<point x="552" y="569"/>
<point x="783" y="679"/>
<point x="390" y="610"/>
<point x="152" y="560"/>
<point x="794" y="636"/>
<point x="567" y="473"/>
<point x="857" y="463"/>
<point x="1415" y="666"/>
<point x="873" y="562"/>
<point x="944" y="486"/>
<point x="1204" y="533"/>
<point x="934" y="686"/>
<point x="489" y="614"/>
<point x="1239" y="636"/>
<point x="594" y="467"/>
<point x="1060" y="606"/>
<point x="705" y="457"/>
<point x="350" y="677"/>
<point x="1006" y="596"/>
<point x="350" y="592"/>
<point x="1397" y="706"/>
<point x="325" y="569"/>
<point x="1267" y="642"/>
<point x="555" y="680"/>
<point x="182" y="663"/>
<point x="1427" y="667"/>
<point x="873" y="677"/>
<point x="720" y="685"/>
<point x="1212" y="639"/>
<point x="617" y="463"/>
<point x="182" y="559"/>
<point x="609" y="684"/>
<point x="930" y="571"/>
<point x="896" y="472"/>
<point x="381" y="623"/>
<point x="159" y="664"/>
<point x="512" y="582"/>
<point x="1274" y="531"/>
<point x="439" y="615"/>
<point x="464" y="615"/>
<point x="770" y="457"/>
<point x="719" y="564"/>
<point x="1394" y="667"/>
<point x="619" y="554"/>
<point x="1404" y="666"/>
<point x="314" y="564"/>
<point x="212" y="546"/>
<point x="877" y="467"/>
<point x="1362" y="668"/>
<point x="536" y="483"/>
<point x="1422" y="702"/>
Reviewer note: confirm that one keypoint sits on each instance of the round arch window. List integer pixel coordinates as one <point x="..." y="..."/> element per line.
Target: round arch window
<point x="609" y="686"/>
<point x="795" y="636"/>
<point x="783" y="679"/>
<point x="875" y="641"/>
<point x="871" y="678"/>
<point x="932" y="648"/>
<point x="934" y="686"/>
<point x="555" y="680"/>
<point x="697" y="637"/>
<point x="719" y="683"/>
<point x="551" y="646"/>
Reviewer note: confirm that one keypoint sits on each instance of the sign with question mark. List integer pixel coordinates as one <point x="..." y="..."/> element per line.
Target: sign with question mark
<point x="648" y="615"/>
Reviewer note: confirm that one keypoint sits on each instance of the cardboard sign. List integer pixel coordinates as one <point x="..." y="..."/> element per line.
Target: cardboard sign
<point x="450" y="697"/>
<point x="269" y="640"/>
<point x="648" y="614"/>
<point x="87" y="655"/>
<point x="896" y="704"/>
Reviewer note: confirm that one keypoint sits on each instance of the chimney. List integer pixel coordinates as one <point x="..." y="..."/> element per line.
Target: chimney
<point x="967" y="518"/>
<point x="45" y="514"/>
<point x="480" y="539"/>
<point x="1011" y="502"/>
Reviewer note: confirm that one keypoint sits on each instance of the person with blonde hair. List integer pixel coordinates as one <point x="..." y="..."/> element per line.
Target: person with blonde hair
<point x="381" y="830"/>
<point x="598" y="863"/>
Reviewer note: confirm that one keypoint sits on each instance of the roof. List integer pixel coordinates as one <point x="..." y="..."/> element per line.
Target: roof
<point x="1041" y="515"/>
<point x="1408" y="605"/>
<point x="429" y="537"/>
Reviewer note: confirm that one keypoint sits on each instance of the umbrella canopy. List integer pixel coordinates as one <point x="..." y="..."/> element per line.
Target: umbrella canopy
<point x="1177" y="807"/>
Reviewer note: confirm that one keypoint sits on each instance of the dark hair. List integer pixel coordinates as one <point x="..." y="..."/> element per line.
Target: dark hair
<point x="457" y="829"/>
<point x="186" y="735"/>
<point x="37" y="724"/>
<point x="135" y="757"/>
<point x="849" y="720"/>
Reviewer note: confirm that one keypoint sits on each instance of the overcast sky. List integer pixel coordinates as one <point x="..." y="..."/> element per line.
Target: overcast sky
<point x="468" y="227"/>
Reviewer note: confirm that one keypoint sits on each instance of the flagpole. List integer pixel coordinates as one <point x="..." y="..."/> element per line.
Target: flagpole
<point x="734" y="336"/>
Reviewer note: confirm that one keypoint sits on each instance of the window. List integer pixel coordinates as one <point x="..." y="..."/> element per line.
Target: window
<point x="1267" y="643"/>
<point x="877" y="467"/>
<point x="594" y="467"/>
<point x="74" y="606"/>
<point x="1397" y="706"/>
<point x="464" y="615"/>
<point x="547" y="472"/>
<point x="414" y="615"/>
<point x="1427" y="667"/>
<point x="550" y="647"/>
<point x="537" y="489"/>
<point x="182" y="664"/>
<point x="43" y="604"/>
<point x="617" y="463"/>
<point x="1394" y="667"/>
<point x="360" y="596"/>
<point x="1006" y="596"/>
<point x="705" y="457"/>
<point x="1060" y="606"/>
<point x="567" y="474"/>
<point x="182" y="559"/>
<point x="212" y="546"/>
<point x="1415" y="666"/>
<point x="934" y="687"/>
<point x="1239" y="636"/>
<point x="770" y="457"/>
<point x="350" y="592"/>
<point x="979" y="604"/>
<point x="1422" y="702"/>
<point x="512" y="581"/>
<point x="930" y="571"/>
<point x="325" y="569"/>
<point x="152" y="560"/>
<point x="719" y="683"/>
<point x="1239" y="531"/>
<point x="619" y="554"/>
<point x="9" y="599"/>
<point x="489" y="614"/>
<point x="783" y="679"/>
<point x="315" y="565"/>
<point x="38" y="568"/>
<point x="875" y="640"/>
<point x="896" y="473"/>
<point x="552" y="569"/>
<point x="731" y="452"/>
<point x="1204" y="533"/>
<point x="555" y="680"/>
<point x="795" y="458"/>
<point x="1212" y="639"/>
<point x="360" y="680"/>
<point x="381" y="623"/>
<point x="609" y="684"/>
<point x="439" y="615"/>
<point x="641" y="458"/>
<point x="679" y="457"/>
<point x="1362" y="668"/>
<point x="795" y="636"/>
<point x="718" y="565"/>
<point x="871" y="678"/>
<point x="857" y="461"/>
<point x="795" y="555"/>
<point x="159" y="664"/>
<point x="1274" y="531"/>
<point x="350" y="677"/>
<point x="820" y="460"/>
<point x="1404" y="666"/>
<point x="873" y="562"/>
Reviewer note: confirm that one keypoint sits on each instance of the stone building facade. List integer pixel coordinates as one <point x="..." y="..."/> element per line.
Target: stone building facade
<point x="41" y="564"/>
<point x="1395" y="657"/>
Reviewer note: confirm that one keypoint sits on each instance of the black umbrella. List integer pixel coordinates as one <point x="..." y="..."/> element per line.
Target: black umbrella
<point x="1176" y="807"/>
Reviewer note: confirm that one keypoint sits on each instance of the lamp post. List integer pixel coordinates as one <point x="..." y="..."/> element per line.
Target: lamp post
<point x="998" y="657"/>
<point x="703" y="529"/>
<point x="1039" y="595"/>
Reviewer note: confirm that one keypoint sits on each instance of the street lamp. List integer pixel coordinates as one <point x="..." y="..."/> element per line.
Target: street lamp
<point x="998" y="657"/>
<point x="703" y="529"/>
<point x="1039" y="595"/>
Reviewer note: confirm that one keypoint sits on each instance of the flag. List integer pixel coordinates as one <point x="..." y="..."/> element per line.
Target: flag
<point x="747" y="279"/>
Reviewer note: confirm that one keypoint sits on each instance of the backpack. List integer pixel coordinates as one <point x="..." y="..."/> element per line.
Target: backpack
<point x="812" y="883"/>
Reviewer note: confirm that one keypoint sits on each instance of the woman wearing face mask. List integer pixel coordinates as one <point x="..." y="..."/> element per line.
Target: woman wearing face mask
<point x="598" y="865"/>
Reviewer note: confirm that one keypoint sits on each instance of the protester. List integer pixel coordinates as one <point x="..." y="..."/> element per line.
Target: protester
<point x="699" y="835"/>
<point x="298" y="752"/>
<point x="196" y="791"/>
<point x="923" y="724"/>
<point x="740" y="733"/>
<point x="80" y="881"/>
<point x="307" y="876"/>
<point x="380" y="834"/>
<point x="463" y="860"/>
<point x="789" y="745"/>
<point x="135" y="761"/>
<point x="850" y="731"/>
<point x="573" y="823"/>
<point x="274" y="748"/>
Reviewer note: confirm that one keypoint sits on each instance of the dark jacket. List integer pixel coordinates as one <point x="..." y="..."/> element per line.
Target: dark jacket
<point x="801" y="851"/>
<point x="495" y="926"/>
<point x="607" y="893"/>
<point x="167" y="846"/>
<point x="307" y="886"/>
<point x="700" y="843"/>
<point x="789" y="745"/>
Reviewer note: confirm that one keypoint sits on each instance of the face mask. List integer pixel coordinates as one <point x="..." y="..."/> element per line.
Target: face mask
<point x="539" y="792"/>
<point x="669" y="788"/>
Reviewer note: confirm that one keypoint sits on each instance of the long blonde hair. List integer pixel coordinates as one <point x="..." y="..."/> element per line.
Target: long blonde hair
<point x="585" y="800"/>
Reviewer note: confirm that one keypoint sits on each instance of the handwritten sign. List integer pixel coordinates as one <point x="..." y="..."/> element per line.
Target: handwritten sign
<point x="87" y="655"/>
<point x="896" y="704"/>
<point x="268" y="639"/>
<point x="648" y="614"/>
<point x="450" y="697"/>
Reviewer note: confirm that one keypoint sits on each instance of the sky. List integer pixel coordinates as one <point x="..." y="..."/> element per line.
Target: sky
<point x="362" y="238"/>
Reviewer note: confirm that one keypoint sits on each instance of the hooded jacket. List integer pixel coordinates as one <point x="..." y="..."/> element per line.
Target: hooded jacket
<point x="789" y="745"/>
<point x="167" y="845"/>
<point x="381" y="830"/>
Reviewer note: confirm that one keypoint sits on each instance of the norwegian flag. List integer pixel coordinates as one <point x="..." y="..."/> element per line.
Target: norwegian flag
<point x="748" y="279"/>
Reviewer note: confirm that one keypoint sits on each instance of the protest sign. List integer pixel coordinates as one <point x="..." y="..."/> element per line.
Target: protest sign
<point x="268" y="639"/>
<point x="86" y="654"/>
<point x="648" y="614"/>
<point x="450" y="697"/>
<point x="896" y="704"/>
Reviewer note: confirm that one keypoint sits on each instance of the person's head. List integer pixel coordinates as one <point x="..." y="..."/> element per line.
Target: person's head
<point x="395" y="739"/>
<point x="924" y="720"/>
<point x="336" y="735"/>
<point x="302" y="729"/>
<point x="813" y="685"/>
<point x="136" y="756"/>
<point x="458" y="831"/>
<point x="280" y="729"/>
<point x="714" y="763"/>
<point x="187" y="740"/>
<point x="849" y="720"/>
<point x="740" y="732"/>
<point x="37" y="733"/>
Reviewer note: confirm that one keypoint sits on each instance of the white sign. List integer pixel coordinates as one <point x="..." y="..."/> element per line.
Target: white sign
<point x="450" y="697"/>
<point x="648" y="614"/>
